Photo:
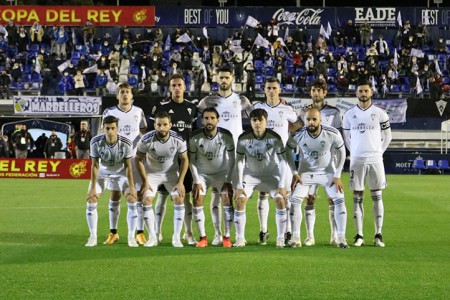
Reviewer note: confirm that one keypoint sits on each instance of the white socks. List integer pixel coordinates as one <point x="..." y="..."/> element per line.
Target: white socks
<point x="378" y="210"/>
<point x="92" y="218"/>
<point x="296" y="217"/>
<point x="160" y="211"/>
<point x="281" y="218"/>
<point x="140" y="221"/>
<point x="114" y="213"/>
<point x="229" y="218"/>
<point x="240" y="219"/>
<point x="263" y="211"/>
<point x="340" y="216"/>
<point x="199" y="219"/>
<point x="188" y="214"/>
<point x="149" y="219"/>
<point x="178" y="218"/>
<point x="216" y="212"/>
<point x="132" y="219"/>
<point x="310" y="220"/>
<point x="358" y="213"/>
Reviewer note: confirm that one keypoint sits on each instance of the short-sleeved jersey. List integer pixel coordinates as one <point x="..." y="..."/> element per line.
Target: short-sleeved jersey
<point x="111" y="157"/>
<point x="261" y="154"/>
<point x="364" y="127"/>
<point x="230" y="111"/>
<point x="211" y="154"/>
<point x="316" y="153"/>
<point x="161" y="156"/>
<point x="331" y="116"/>
<point x="278" y="117"/>
<point x="130" y="122"/>
<point x="183" y="116"/>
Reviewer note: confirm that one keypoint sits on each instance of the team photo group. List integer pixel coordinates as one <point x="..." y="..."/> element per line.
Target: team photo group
<point x="284" y="155"/>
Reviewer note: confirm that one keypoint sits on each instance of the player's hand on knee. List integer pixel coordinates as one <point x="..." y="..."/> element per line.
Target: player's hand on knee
<point x="196" y="190"/>
<point x="92" y="196"/>
<point x="179" y="188"/>
<point x="295" y="180"/>
<point x="240" y="193"/>
<point x="338" y="183"/>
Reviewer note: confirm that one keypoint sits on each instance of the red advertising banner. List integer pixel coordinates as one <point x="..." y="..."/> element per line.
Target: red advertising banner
<point x="78" y="15"/>
<point x="45" y="168"/>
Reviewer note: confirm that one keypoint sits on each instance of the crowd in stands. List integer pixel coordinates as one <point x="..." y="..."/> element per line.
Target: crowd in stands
<point x="58" y="60"/>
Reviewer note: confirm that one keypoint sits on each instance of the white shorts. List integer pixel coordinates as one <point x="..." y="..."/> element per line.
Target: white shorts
<point x="268" y="184"/>
<point x="373" y="171"/>
<point x="156" y="179"/>
<point x="214" y="181"/>
<point x="309" y="180"/>
<point x="116" y="183"/>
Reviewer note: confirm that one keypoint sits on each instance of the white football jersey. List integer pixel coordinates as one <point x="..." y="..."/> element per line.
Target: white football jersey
<point x="331" y="116"/>
<point x="230" y="111"/>
<point x="130" y="122"/>
<point x="211" y="154"/>
<point x="278" y="118"/>
<point x="316" y="153"/>
<point x="261" y="155"/>
<point x="364" y="127"/>
<point x="161" y="157"/>
<point x="111" y="157"/>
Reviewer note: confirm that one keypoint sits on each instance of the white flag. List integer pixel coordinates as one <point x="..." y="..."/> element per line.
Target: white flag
<point x="37" y="66"/>
<point x="252" y="22"/>
<point x="92" y="69"/>
<point x="395" y="57"/>
<point x="286" y="33"/>
<point x="419" y="88"/>
<point x="260" y="41"/>
<point x="381" y="46"/>
<point x="374" y="85"/>
<point x="399" y="19"/>
<point x="236" y="46"/>
<point x="63" y="66"/>
<point x="184" y="38"/>
<point x="205" y="32"/>
<point x="329" y="29"/>
<point x="144" y="74"/>
<point x="281" y="42"/>
<point x="417" y="53"/>
<point x="437" y="67"/>
<point x="323" y="32"/>
<point x="426" y="18"/>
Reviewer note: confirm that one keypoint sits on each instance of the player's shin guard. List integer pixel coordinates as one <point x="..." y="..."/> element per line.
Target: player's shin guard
<point x="199" y="219"/>
<point x="310" y="220"/>
<point x="160" y="211"/>
<point x="358" y="212"/>
<point x="280" y="219"/>
<point x="149" y="219"/>
<point x="92" y="218"/>
<point x="229" y="218"/>
<point x="240" y="219"/>
<point x="216" y="212"/>
<point x="340" y="216"/>
<point x="296" y="216"/>
<point x="378" y="210"/>
<point x="132" y="218"/>
<point x="114" y="213"/>
<point x="178" y="218"/>
<point x="263" y="211"/>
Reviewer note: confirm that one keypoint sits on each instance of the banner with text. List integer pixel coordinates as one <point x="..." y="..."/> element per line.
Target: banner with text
<point x="57" y="105"/>
<point x="78" y="15"/>
<point x="45" y="168"/>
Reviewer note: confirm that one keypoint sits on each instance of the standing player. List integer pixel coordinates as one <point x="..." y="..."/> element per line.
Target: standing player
<point x="111" y="169"/>
<point x="330" y="116"/>
<point x="367" y="133"/>
<point x="230" y="107"/>
<point x="279" y="118"/>
<point x="212" y="159"/>
<point x="260" y="165"/>
<point x="158" y="153"/>
<point x="318" y="145"/>
<point x="132" y="124"/>
<point x="183" y="115"/>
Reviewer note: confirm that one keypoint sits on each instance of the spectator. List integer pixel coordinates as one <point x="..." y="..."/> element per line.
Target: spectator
<point x="126" y="35"/>
<point x="272" y="31"/>
<point x="250" y="84"/>
<point x="22" y="142"/>
<point x="23" y="40"/>
<point x="321" y="46"/>
<point x="124" y="69"/>
<point x="207" y="58"/>
<point x="36" y="32"/>
<point x="157" y="50"/>
<point x="159" y="36"/>
<point x="12" y="30"/>
<point x="163" y="83"/>
<point x="365" y="32"/>
<point x="5" y="150"/>
<point x="175" y="56"/>
<point x="88" y="33"/>
<point x="106" y="48"/>
<point x="52" y="145"/>
<point x="217" y="57"/>
<point x="350" y="33"/>
<point x="436" y="92"/>
<point x="382" y="47"/>
<point x="330" y="60"/>
<point x="82" y="63"/>
<point x="199" y="79"/>
<point x="67" y="84"/>
<point x="5" y="81"/>
<point x="125" y="49"/>
<point x="16" y="72"/>
<point x="297" y="60"/>
<point x="342" y="81"/>
<point x="321" y="67"/>
<point x="79" y="83"/>
<point x="100" y="83"/>
<point x="421" y="35"/>
<point x="441" y="47"/>
<point x="62" y="38"/>
<point x="71" y="69"/>
<point x="40" y="145"/>
<point x="114" y="57"/>
<point x="82" y="140"/>
<point x="175" y="69"/>
<point x="103" y="63"/>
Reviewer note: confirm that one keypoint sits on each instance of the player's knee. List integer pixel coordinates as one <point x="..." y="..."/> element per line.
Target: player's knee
<point x="280" y="203"/>
<point x="225" y="199"/>
<point x="130" y="197"/>
<point x="147" y="201"/>
<point x="240" y="203"/>
<point x="311" y="200"/>
<point x="376" y="195"/>
<point x="177" y="200"/>
<point x="92" y="199"/>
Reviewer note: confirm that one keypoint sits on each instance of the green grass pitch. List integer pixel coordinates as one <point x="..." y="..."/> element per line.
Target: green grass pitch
<point x="42" y="255"/>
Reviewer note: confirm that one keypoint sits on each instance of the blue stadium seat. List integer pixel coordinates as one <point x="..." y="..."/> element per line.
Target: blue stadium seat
<point x="27" y="69"/>
<point x="259" y="79"/>
<point x="26" y="77"/>
<point x="76" y="54"/>
<point x="405" y="88"/>
<point x="443" y="164"/>
<point x="419" y="165"/>
<point x="394" y="88"/>
<point x="214" y="87"/>
<point x="134" y="69"/>
<point x="133" y="81"/>
<point x="288" y="88"/>
<point x="430" y="164"/>
<point x="34" y="47"/>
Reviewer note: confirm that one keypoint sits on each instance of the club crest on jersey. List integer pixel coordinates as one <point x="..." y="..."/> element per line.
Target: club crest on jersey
<point x="280" y="113"/>
<point x="172" y="149"/>
<point x="189" y="110"/>
<point x="322" y="143"/>
<point x="136" y="118"/>
<point x="372" y="116"/>
<point x="235" y="103"/>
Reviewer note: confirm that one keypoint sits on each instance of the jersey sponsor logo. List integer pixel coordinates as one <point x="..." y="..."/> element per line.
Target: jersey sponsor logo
<point x="226" y="116"/>
<point x="181" y="125"/>
<point x="257" y="155"/>
<point x="362" y="127"/>
<point x="272" y="124"/>
<point x="210" y="155"/>
<point x="314" y="154"/>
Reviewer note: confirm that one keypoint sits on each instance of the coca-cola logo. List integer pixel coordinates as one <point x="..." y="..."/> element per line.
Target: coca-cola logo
<point x="307" y="16"/>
